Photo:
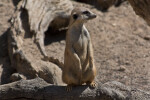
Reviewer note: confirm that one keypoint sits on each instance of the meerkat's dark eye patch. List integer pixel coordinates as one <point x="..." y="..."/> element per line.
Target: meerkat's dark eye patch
<point x="86" y="12"/>
<point x="75" y="16"/>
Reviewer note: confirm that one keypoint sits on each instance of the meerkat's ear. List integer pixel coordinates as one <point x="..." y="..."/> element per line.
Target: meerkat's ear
<point x="75" y="16"/>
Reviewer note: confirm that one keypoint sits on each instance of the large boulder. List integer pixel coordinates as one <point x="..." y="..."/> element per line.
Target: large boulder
<point x="39" y="89"/>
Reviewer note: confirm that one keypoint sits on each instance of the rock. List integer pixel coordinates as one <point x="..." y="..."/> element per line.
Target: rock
<point x="103" y="4"/>
<point x="141" y="8"/>
<point x="121" y="68"/>
<point x="39" y="89"/>
<point x="16" y="77"/>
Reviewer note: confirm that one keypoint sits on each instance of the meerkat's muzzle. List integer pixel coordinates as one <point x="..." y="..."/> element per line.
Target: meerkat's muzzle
<point x="92" y="16"/>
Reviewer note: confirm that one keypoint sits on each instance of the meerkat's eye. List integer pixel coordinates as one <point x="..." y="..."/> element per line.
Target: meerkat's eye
<point x="86" y="12"/>
<point x="75" y="16"/>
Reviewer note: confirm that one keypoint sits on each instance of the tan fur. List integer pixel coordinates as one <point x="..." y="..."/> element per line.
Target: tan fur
<point x="79" y="65"/>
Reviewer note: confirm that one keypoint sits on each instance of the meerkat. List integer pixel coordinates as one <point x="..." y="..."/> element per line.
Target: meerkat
<point x="79" y="65"/>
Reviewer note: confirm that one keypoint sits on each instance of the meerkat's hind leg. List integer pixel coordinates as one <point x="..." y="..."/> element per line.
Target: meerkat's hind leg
<point x="91" y="84"/>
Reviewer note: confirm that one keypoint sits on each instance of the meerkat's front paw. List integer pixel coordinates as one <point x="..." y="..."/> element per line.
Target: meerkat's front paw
<point x="69" y="88"/>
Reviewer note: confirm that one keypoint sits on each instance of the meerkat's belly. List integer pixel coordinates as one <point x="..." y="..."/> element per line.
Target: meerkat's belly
<point x="80" y="48"/>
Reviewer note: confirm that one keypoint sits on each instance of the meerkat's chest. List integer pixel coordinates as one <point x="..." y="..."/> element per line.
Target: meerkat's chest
<point x="80" y="45"/>
<point x="80" y="42"/>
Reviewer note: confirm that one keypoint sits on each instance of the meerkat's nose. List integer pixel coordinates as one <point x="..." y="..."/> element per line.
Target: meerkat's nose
<point x="93" y="16"/>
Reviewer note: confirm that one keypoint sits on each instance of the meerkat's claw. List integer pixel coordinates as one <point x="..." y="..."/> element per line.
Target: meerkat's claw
<point x="69" y="88"/>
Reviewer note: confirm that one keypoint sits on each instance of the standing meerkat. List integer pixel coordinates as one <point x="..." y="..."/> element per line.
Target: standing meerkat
<point x="79" y="65"/>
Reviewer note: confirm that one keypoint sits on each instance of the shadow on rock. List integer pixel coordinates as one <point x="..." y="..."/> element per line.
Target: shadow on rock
<point x="3" y="44"/>
<point x="54" y="36"/>
<point x="7" y="70"/>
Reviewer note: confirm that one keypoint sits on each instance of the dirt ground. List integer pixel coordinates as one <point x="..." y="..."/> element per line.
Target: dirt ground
<point x="121" y="42"/>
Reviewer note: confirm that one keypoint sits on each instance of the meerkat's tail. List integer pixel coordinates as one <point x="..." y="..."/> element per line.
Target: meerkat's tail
<point x="56" y="61"/>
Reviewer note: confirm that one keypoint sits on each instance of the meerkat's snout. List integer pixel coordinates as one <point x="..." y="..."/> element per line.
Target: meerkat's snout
<point x="92" y="16"/>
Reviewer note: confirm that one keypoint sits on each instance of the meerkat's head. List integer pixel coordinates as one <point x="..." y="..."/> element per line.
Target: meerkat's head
<point x="81" y="15"/>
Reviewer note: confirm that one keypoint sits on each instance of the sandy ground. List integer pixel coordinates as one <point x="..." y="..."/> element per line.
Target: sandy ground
<point x="121" y="43"/>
